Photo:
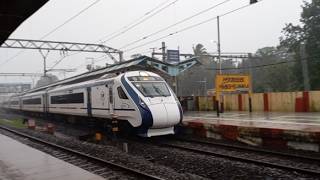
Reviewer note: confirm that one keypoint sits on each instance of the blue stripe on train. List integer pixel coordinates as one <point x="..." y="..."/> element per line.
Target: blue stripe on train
<point x="147" y="119"/>
<point x="180" y="111"/>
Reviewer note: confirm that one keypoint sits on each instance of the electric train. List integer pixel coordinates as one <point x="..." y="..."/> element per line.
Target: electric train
<point x="141" y="98"/>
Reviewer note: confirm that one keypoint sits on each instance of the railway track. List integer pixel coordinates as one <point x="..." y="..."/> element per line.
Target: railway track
<point x="250" y="149"/>
<point x="203" y="147"/>
<point x="88" y="162"/>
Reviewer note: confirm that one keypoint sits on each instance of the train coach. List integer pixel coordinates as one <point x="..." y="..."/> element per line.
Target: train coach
<point x="141" y="99"/>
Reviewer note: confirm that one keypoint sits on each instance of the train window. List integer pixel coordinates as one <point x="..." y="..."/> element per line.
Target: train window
<point x="68" y="99"/>
<point x="152" y="89"/>
<point x="145" y="78"/>
<point x="32" y="101"/>
<point x="121" y="93"/>
<point x="14" y="102"/>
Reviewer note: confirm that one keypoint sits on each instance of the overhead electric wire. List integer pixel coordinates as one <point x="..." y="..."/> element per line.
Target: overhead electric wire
<point x="182" y="30"/>
<point x="11" y="58"/>
<point x="187" y="28"/>
<point x="267" y="65"/>
<point x="175" y="24"/>
<point x="140" y="22"/>
<point x="99" y="59"/>
<point x="70" y="19"/>
<point x="126" y="28"/>
<point x="59" y="61"/>
<point x="134" y="21"/>
<point x="55" y="29"/>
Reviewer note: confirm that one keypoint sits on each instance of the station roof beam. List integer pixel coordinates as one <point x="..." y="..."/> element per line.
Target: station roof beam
<point x="62" y="46"/>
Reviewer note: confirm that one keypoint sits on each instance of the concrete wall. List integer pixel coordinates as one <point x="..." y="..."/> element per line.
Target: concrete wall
<point x="284" y="101"/>
<point x="231" y="102"/>
<point x="206" y="103"/>
<point x="276" y="102"/>
<point x="256" y="102"/>
<point x="314" y="101"/>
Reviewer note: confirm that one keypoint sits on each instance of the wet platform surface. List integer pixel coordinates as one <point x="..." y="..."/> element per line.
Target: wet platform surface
<point x="21" y="162"/>
<point x="309" y="122"/>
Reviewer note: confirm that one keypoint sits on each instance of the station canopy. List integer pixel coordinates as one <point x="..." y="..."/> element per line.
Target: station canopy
<point x="14" y="12"/>
<point x="164" y="69"/>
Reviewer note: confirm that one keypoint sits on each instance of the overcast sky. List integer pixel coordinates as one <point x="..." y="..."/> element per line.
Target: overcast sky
<point x="246" y="30"/>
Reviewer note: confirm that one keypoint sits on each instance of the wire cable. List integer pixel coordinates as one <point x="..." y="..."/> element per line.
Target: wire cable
<point x="140" y="22"/>
<point x="55" y="29"/>
<point x="175" y="24"/>
<point x="268" y="65"/>
<point x="70" y="19"/>
<point x="188" y="28"/>
<point x="134" y="21"/>
<point x="126" y="28"/>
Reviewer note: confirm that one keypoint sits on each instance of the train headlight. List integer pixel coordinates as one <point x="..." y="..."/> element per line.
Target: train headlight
<point x="142" y="103"/>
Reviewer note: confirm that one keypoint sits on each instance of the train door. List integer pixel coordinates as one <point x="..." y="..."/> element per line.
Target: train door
<point x="111" y="99"/>
<point x="122" y="101"/>
<point x="89" y="102"/>
<point x="99" y="101"/>
<point x="44" y="102"/>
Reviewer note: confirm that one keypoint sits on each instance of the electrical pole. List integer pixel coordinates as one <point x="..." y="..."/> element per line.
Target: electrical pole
<point x="305" y="68"/>
<point x="251" y="83"/>
<point x="120" y="56"/>
<point x="44" y="56"/>
<point x="163" y="51"/>
<point x="153" y="52"/>
<point x="219" y="45"/>
<point x="219" y="96"/>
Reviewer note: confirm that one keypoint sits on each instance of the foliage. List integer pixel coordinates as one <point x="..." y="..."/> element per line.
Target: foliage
<point x="17" y="123"/>
<point x="270" y="78"/>
<point x="199" y="50"/>
<point x="307" y="33"/>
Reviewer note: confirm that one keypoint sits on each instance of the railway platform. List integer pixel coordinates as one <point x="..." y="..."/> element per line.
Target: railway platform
<point x="21" y="162"/>
<point x="270" y="129"/>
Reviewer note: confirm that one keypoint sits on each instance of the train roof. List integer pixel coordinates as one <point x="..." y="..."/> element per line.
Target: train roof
<point x="134" y="64"/>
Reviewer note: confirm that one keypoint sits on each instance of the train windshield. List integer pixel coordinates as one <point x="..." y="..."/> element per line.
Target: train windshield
<point x="152" y="89"/>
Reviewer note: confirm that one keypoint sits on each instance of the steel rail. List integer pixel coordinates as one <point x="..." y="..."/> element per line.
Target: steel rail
<point x="90" y="157"/>
<point x="241" y="159"/>
<point x="231" y="146"/>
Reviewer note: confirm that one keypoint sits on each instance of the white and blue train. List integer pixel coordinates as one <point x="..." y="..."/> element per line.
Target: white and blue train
<point x="141" y="98"/>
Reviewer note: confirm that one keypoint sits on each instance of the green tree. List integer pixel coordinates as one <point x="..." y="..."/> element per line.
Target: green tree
<point x="199" y="50"/>
<point x="267" y="77"/>
<point x="309" y="34"/>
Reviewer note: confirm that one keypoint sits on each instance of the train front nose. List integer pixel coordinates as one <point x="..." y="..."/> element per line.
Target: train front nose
<point x="165" y="114"/>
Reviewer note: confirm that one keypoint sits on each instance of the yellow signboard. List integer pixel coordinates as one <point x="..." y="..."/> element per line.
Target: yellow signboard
<point x="232" y="83"/>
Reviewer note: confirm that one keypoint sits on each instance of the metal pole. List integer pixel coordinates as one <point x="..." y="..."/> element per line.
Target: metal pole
<point x="163" y="51"/>
<point x="121" y="56"/>
<point x="44" y="66"/>
<point x="219" y="45"/>
<point x="205" y="92"/>
<point x="220" y="64"/>
<point x="44" y="56"/>
<point x="251" y="83"/>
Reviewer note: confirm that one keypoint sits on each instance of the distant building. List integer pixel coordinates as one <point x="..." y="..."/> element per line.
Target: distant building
<point x="9" y="89"/>
<point x="14" y="87"/>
